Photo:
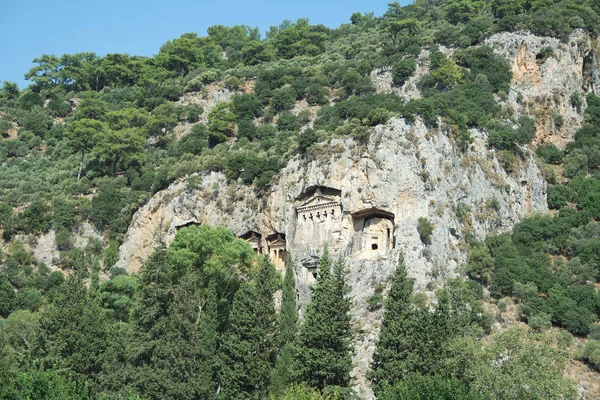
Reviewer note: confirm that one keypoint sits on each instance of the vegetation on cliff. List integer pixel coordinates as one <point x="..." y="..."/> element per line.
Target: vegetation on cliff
<point x="93" y="138"/>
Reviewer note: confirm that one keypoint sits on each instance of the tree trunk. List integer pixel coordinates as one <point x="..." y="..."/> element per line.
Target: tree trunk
<point x="115" y="165"/>
<point x="80" y="165"/>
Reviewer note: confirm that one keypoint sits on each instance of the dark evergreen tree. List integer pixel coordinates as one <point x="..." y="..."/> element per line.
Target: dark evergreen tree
<point x="248" y="351"/>
<point x="324" y="343"/>
<point x="73" y="333"/>
<point x="174" y="334"/>
<point x="412" y="340"/>
<point x="150" y="319"/>
<point x="288" y="316"/>
<point x="393" y="351"/>
<point x="208" y="336"/>
<point x="288" y="328"/>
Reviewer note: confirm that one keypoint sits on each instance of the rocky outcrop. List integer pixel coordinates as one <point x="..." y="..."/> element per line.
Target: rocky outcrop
<point x="44" y="249"/>
<point x="547" y="73"/>
<point x="207" y="99"/>
<point x="364" y="202"/>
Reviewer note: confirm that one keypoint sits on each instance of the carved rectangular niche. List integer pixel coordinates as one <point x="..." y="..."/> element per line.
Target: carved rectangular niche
<point x="277" y="250"/>
<point x="319" y="214"/>
<point x="373" y="232"/>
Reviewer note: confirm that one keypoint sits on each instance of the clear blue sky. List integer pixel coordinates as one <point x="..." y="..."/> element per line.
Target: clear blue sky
<point x="31" y="28"/>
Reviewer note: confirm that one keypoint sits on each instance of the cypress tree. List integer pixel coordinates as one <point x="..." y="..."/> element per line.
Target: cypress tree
<point x="174" y="339"/>
<point x="73" y="333"/>
<point x="288" y="316"/>
<point x="393" y="350"/>
<point x="288" y="328"/>
<point x="150" y="321"/>
<point x="248" y="351"/>
<point x="411" y="340"/>
<point x="324" y="357"/>
<point x="208" y="324"/>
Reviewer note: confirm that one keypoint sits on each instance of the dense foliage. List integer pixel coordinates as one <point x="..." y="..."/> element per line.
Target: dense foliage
<point x="94" y="137"/>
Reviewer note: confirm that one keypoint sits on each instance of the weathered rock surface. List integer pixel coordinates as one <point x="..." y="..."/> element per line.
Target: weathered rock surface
<point x="546" y="73"/>
<point x="43" y="247"/>
<point x="406" y="172"/>
<point x="365" y="202"/>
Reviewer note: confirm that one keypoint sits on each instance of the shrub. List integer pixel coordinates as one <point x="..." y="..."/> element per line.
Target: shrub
<point x="576" y="163"/>
<point x="425" y="229"/>
<point x="375" y="302"/>
<point x="559" y="196"/>
<point x="63" y="240"/>
<point x="283" y="99"/>
<point x="539" y="322"/>
<point x="403" y="70"/>
<point x="36" y="218"/>
<point x="106" y="207"/>
<point x="550" y="153"/>
<point x="29" y="299"/>
<point x="591" y="354"/>
<point x="576" y="101"/>
<point x="288" y="122"/>
<point x="317" y="94"/>
<point x="246" y="106"/>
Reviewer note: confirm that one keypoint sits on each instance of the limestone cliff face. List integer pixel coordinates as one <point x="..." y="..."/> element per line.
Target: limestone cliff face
<point x="364" y="202"/>
<point x="546" y="73"/>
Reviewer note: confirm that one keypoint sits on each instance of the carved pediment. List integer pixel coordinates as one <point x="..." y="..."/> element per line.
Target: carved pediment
<point x="317" y="201"/>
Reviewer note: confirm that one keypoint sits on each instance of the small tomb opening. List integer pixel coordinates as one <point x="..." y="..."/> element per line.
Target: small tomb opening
<point x="187" y="224"/>
<point x="310" y="272"/>
<point x="255" y="240"/>
<point x="277" y="249"/>
<point x="373" y="232"/>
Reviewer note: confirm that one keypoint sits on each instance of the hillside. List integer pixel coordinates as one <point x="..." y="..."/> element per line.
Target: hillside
<point x="459" y="137"/>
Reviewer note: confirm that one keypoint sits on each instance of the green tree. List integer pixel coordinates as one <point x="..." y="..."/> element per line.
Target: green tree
<point x="123" y="146"/>
<point x="248" y="350"/>
<point x="419" y="387"/>
<point x="82" y="135"/>
<point x="403" y="70"/>
<point x="301" y="38"/>
<point x="18" y="333"/>
<point x="288" y="328"/>
<point x="392" y="349"/>
<point x="46" y="74"/>
<point x="10" y="90"/>
<point x="447" y="75"/>
<point x="149" y="319"/>
<point x="47" y="385"/>
<point x="324" y="342"/>
<point x="207" y="327"/>
<point x="221" y="123"/>
<point x="73" y="332"/>
<point x="8" y="302"/>
<point x="521" y="365"/>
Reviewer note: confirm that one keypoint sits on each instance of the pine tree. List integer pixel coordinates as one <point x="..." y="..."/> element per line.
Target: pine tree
<point x="393" y="352"/>
<point x="324" y="348"/>
<point x="248" y="351"/>
<point x="288" y="328"/>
